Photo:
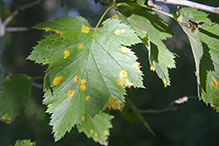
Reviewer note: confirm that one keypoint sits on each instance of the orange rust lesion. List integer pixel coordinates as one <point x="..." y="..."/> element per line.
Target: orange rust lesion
<point x="57" y="80"/>
<point x="59" y="32"/>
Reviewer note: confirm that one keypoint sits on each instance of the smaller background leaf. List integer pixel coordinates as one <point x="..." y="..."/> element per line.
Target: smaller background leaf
<point x="132" y="114"/>
<point x="97" y="127"/>
<point x="15" y="92"/>
<point x="24" y="143"/>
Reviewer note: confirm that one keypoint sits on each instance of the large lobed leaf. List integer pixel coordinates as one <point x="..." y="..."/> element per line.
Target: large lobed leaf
<point x="206" y="54"/>
<point x="16" y="91"/>
<point x="153" y="30"/>
<point x="88" y="68"/>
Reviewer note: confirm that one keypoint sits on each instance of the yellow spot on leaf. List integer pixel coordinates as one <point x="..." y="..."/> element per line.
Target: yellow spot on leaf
<point x="77" y="79"/>
<point x="80" y="46"/>
<point x="83" y="81"/>
<point x="57" y="80"/>
<point x="117" y="32"/>
<point x="59" y="32"/>
<point x="123" y="74"/>
<point x="87" y="97"/>
<point x="70" y="93"/>
<point x="120" y="82"/>
<point x="95" y="134"/>
<point x="165" y="82"/>
<point x="106" y="132"/>
<point x="67" y="53"/>
<point x="152" y="68"/>
<point x="47" y="28"/>
<point x="83" y="87"/>
<point x="125" y="50"/>
<point x="83" y="118"/>
<point x="85" y="29"/>
<point x="137" y="66"/>
<point x="115" y="16"/>
<point x="91" y="131"/>
<point x="128" y="84"/>
<point x="29" y="78"/>
<point x="214" y="82"/>
<point x="46" y="59"/>
<point x="6" y="117"/>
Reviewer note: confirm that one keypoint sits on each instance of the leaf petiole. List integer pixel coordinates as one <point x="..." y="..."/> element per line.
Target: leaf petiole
<point x="103" y="16"/>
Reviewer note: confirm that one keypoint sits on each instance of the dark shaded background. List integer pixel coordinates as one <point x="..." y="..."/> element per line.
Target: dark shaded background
<point x="193" y="124"/>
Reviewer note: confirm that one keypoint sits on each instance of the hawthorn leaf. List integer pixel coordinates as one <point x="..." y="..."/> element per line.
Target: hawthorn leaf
<point x="209" y="66"/>
<point x="89" y="68"/>
<point x="153" y="30"/>
<point x="16" y="91"/>
<point x="196" y="45"/>
<point x="195" y="15"/>
<point x="96" y="127"/>
<point x="24" y="143"/>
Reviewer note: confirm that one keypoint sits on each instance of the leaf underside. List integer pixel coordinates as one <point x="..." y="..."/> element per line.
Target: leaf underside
<point x="88" y="68"/>
<point x="206" y="54"/>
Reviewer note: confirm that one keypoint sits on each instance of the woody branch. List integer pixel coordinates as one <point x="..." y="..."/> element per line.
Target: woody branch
<point x="184" y="3"/>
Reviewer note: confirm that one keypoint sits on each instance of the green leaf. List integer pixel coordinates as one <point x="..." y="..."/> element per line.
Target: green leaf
<point x="209" y="67"/>
<point x="97" y="127"/>
<point x="153" y="30"/>
<point x="24" y="143"/>
<point x="87" y="67"/>
<point x="16" y="91"/>
<point x="132" y="114"/>
<point x="195" y="15"/>
<point x="196" y="45"/>
<point x="208" y="71"/>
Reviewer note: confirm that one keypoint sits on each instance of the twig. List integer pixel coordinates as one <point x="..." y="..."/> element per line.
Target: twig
<point x="171" y="107"/>
<point x="15" y="29"/>
<point x="29" y="5"/>
<point x="186" y="3"/>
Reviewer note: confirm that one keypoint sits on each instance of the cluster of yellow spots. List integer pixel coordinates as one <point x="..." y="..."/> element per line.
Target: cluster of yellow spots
<point x="214" y="82"/>
<point x="119" y="31"/>
<point x="47" y="28"/>
<point x="85" y="29"/>
<point x="114" y="103"/>
<point x="59" y="32"/>
<point x="70" y="93"/>
<point x="123" y="81"/>
<point x="137" y="66"/>
<point x="80" y="46"/>
<point x="67" y="53"/>
<point x="77" y="79"/>
<point x="57" y="80"/>
<point x="82" y="86"/>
